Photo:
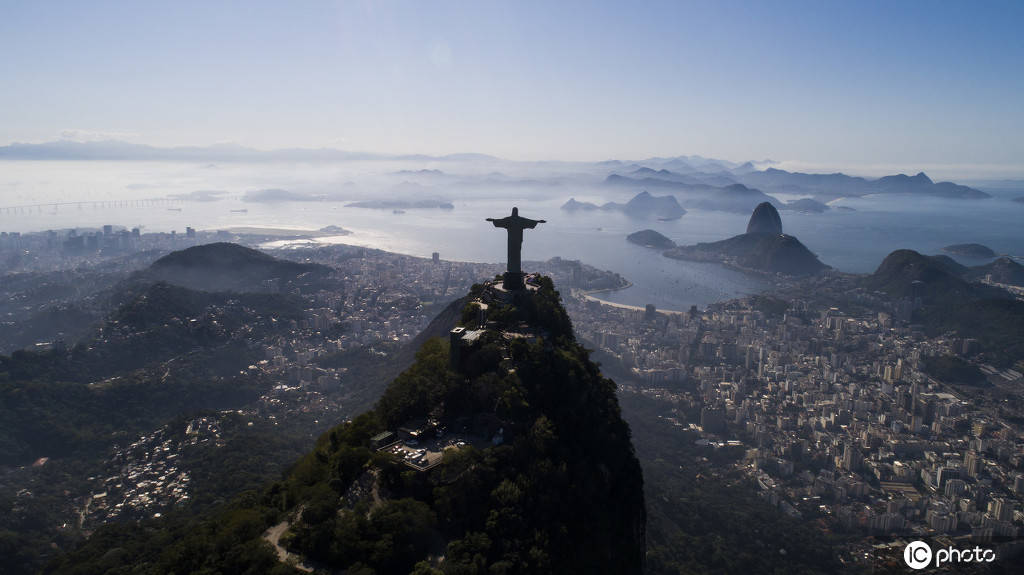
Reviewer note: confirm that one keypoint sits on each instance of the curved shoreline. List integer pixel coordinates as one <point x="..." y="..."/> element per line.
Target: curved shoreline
<point x="588" y="295"/>
<point x="628" y="285"/>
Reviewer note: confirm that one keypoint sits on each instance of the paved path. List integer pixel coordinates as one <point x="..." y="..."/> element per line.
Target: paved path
<point x="273" y="536"/>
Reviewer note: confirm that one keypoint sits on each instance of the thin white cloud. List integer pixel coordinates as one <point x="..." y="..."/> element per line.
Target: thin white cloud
<point x="76" y="135"/>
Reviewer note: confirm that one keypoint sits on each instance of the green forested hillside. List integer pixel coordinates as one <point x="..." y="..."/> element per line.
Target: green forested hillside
<point x="59" y="402"/>
<point x="560" y="492"/>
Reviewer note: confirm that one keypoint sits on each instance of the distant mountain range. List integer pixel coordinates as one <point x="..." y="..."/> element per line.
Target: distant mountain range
<point x="840" y="185"/>
<point x="718" y="184"/>
<point x="737" y="191"/>
<point x="642" y="205"/>
<point x="731" y="198"/>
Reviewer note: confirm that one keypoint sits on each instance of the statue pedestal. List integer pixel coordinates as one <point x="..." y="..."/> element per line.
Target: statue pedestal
<point x="513" y="281"/>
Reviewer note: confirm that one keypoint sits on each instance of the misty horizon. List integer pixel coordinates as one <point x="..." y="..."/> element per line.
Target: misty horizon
<point x="69" y="147"/>
<point x="832" y="86"/>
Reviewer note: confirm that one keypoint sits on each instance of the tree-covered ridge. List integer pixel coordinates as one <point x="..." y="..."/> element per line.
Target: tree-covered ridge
<point x="561" y="492"/>
<point x="231" y="267"/>
<point x="945" y="302"/>
<point x="1003" y="270"/>
<point x="86" y="416"/>
<point x="153" y="323"/>
<point x="61" y="401"/>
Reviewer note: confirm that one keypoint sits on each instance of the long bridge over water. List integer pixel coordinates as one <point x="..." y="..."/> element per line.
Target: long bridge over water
<point x="53" y="207"/>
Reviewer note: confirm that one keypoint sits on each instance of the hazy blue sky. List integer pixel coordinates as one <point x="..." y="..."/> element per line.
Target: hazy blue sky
<point x="829" y="83"/>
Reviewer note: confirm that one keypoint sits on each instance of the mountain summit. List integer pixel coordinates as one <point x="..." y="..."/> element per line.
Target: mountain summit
<point x="229" y="267"/>
<point x="765" y="220"/>
<point x="500" y="450"/>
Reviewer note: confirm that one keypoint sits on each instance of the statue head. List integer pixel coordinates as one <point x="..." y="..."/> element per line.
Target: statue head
<point x="515" y="211"/>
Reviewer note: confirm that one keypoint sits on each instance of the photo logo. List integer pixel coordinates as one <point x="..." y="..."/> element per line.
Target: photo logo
<point x="917" y="555"/>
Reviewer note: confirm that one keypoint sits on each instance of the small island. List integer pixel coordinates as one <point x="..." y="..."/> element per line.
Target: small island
<point x="977" y="251"/>
<point x="806" y="206"/>
<point x="651" y="239"/>
<point x="1019" y="200"/>
<point x="763" y="248"/>
<point x="335" y="230"/>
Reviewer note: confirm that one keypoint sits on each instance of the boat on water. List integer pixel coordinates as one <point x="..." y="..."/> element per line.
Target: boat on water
<point x="397" y="211"/>
<point x="173" y="209"/>
<point x="241" y="211"/>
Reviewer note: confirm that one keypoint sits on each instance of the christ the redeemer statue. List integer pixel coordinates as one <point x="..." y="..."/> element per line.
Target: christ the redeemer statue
<point x="515" y="224"/>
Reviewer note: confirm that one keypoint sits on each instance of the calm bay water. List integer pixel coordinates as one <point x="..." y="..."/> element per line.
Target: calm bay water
<point x="854" y="241"/>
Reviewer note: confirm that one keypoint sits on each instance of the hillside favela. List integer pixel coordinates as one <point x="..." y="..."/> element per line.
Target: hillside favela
<point x="511" y="287"/>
